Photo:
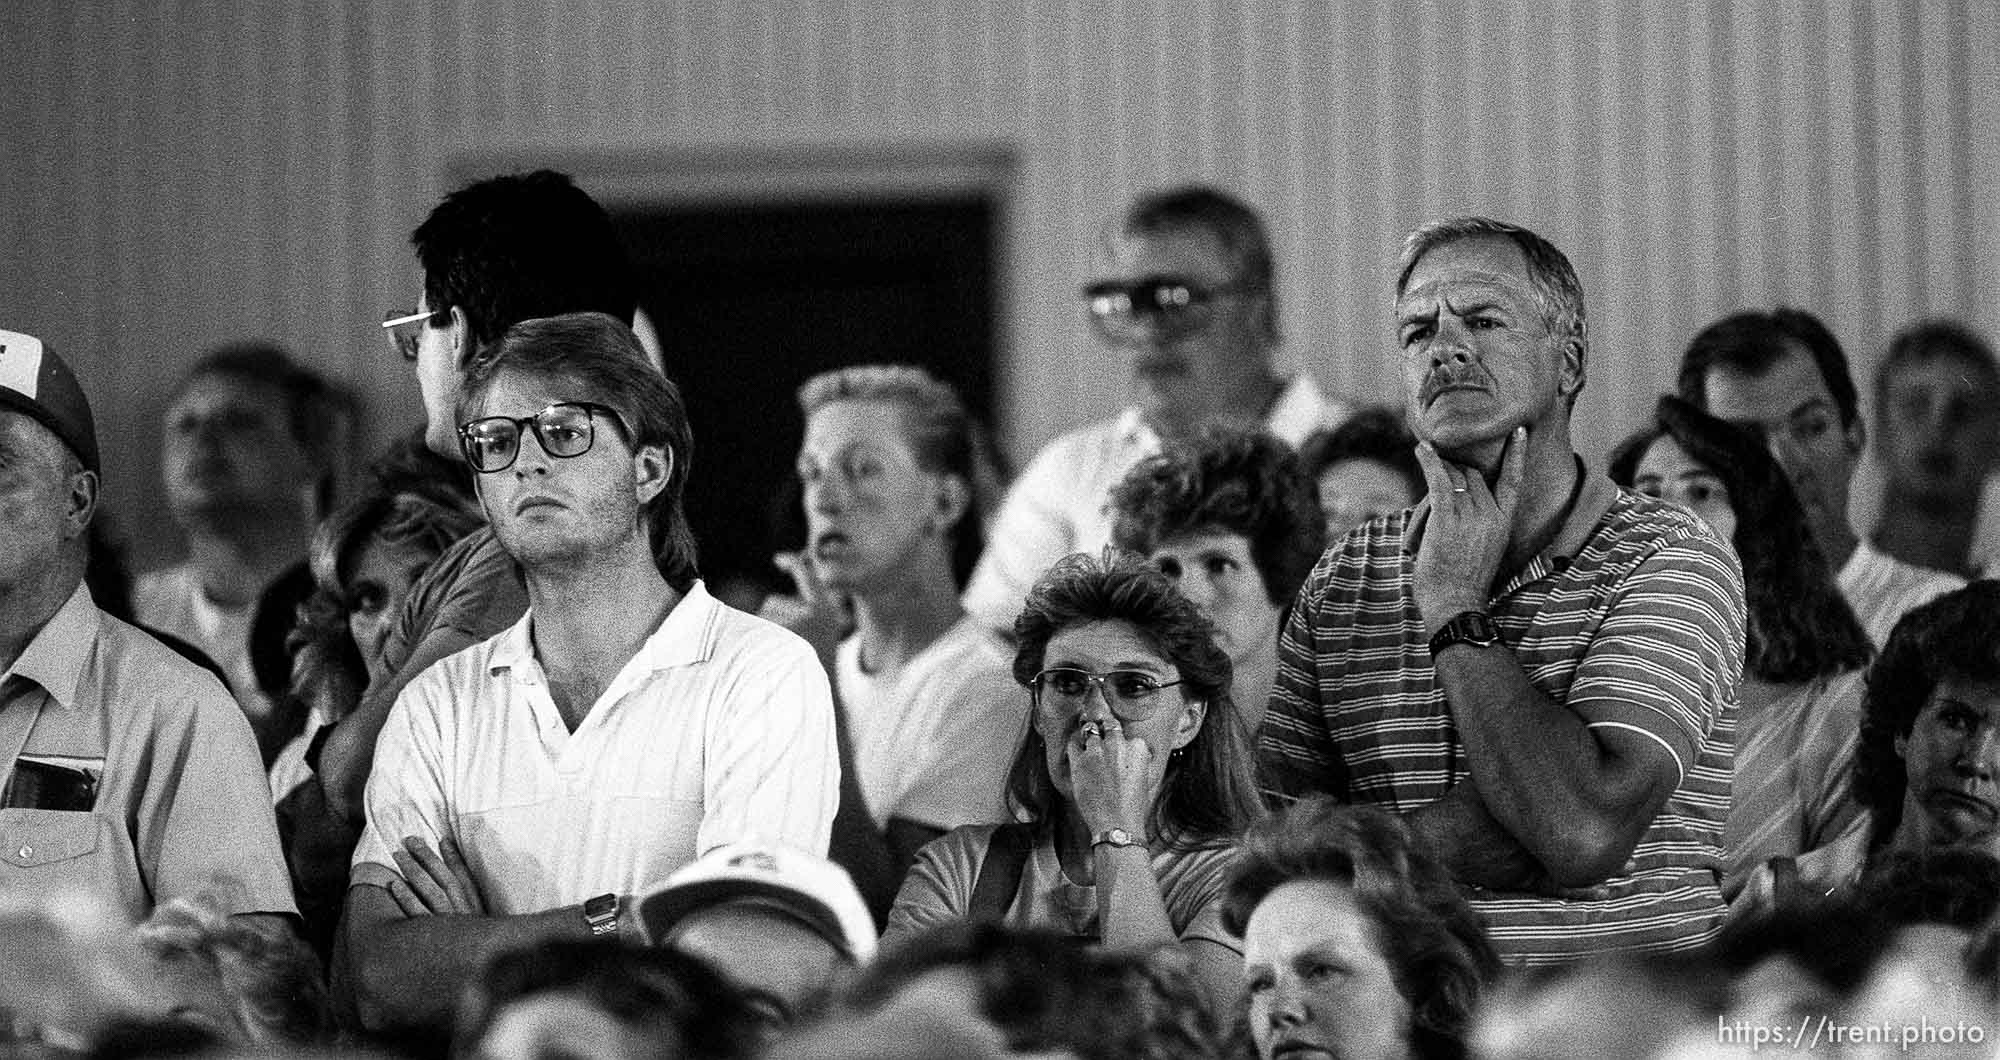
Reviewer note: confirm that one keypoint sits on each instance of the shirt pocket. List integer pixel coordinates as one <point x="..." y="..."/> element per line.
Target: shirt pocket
<point x="70" y="852"/>
<point x="34" y="839"/>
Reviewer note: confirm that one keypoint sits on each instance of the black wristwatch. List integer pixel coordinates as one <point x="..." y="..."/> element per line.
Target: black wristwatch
<point x="600" y="915"/>
<point x="1467" y="627"/>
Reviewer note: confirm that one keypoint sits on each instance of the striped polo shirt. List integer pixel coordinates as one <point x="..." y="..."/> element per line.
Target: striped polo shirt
<point x="1632" y="618"/>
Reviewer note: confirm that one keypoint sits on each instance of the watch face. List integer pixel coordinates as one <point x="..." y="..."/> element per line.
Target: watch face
<point x="601" y="906"/>
<point x="1478" y="628"/>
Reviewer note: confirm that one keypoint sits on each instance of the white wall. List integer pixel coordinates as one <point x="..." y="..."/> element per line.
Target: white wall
<point x="177" y="174"/>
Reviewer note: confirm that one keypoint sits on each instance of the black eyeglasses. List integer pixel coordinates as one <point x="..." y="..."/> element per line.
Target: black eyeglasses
<point x="1129" y="693"/>
<point x="1175" y="305"/>
<point x="404" y="327"/>
<point x="565" y="429"/>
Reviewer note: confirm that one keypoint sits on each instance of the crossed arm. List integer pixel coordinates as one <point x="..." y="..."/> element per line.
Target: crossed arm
<point x="417" y="940"/>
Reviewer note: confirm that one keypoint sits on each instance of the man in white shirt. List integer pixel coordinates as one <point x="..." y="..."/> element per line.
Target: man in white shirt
<point x="1783" y="373"/>
<point x="533" y="785"/>
<point x="247" y="457"/>
<point x="1186" y="291"/>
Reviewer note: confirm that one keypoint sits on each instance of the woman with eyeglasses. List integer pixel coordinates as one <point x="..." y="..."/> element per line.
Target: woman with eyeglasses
<point x="1132" y="785"/>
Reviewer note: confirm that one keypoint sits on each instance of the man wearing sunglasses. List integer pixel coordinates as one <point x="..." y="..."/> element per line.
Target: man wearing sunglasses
<point x="536" y="784"/>
<point x="1184" y="293"/>
<point x="493" y="253"/>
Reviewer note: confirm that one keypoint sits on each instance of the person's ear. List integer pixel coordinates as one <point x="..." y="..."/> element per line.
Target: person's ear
<point x="460" y="330"/>
<point x="652" y="469"/>
<point x="1192" y="714"/>
<point x="953" y="498"/>
<point x="80" y="503"/>
<point x="1575" y="367"/>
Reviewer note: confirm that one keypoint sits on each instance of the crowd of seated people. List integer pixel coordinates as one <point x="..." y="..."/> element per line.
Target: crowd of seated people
<point x="1433" y="737"/>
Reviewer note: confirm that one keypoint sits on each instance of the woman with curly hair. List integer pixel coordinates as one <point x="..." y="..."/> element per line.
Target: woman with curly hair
<point x="1356" y="943"/>
<point x="1927" y="769"/>
<point x="1230" y="517"/>
<point x="1799" y="702"/>
<point x="1133" y="782"/>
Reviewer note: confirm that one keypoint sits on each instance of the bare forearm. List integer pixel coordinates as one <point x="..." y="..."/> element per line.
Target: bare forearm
<point x="1542" y="774"/>
<point x="410" y="971"/>
<point x="1130" y="907"/>
<point x="1475" y="847"/>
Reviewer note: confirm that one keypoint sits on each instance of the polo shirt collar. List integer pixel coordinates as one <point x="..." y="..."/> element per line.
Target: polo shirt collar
<point x="55" y="659"/>
<point x="686" y="637"/>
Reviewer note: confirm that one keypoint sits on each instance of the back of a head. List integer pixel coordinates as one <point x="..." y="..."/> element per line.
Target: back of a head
<point x="666" y="996"/>
<point x="528" y="245"/>
<point x="1750" y="342"/>
<point x="1046" y="993"/>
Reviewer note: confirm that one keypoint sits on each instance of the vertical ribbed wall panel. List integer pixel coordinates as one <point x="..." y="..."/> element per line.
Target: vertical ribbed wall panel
<point x="195" y="172"/>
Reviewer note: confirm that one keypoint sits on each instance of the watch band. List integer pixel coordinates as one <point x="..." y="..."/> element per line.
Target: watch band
<point x="1117" y="837"/>
<point x="1467" y="627"/>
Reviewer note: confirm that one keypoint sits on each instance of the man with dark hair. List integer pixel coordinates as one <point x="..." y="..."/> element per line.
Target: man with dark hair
<point x="494" y="253"/>
<point x="1782" y="372"/>
<point x="1186" y="291"/>
<point x="538" y="783"/>
<point x="248" y="458"/>
<point x="127" y="777"/>
<point x="1937" y="429"/>
<point x="1231" y="518"/>
<point x="1537" y="669"/>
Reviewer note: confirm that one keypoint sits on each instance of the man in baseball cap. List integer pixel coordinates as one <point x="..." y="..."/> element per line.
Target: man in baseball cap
<point x="780" y="924"/>
<point x="142" y="770"/>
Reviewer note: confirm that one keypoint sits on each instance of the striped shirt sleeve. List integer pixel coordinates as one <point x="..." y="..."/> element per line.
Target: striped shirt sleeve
<point x="1669" y="653"/>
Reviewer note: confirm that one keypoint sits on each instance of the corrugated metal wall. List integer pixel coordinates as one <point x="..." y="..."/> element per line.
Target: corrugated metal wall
<point x="175" y="174"/>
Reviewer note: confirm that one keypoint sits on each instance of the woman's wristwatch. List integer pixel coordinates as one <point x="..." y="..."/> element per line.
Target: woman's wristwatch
<point x="1117" y="837"/>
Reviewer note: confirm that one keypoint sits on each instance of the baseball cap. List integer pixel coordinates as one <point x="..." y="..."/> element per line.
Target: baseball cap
<point x="36" y="383"/>
<point x="811" y="889"/>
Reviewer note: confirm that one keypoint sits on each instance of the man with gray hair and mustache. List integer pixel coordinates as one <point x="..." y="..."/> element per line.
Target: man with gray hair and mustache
<point x="1536" y="668"/>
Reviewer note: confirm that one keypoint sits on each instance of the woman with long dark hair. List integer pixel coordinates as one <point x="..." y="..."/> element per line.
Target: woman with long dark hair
<point x="1130" y="790"/>
<point x="1799" y="705"/>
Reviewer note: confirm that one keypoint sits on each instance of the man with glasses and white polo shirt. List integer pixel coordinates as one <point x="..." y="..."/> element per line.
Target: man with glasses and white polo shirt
<point x="1185" y="290"/>
<point x="534" y="785"/>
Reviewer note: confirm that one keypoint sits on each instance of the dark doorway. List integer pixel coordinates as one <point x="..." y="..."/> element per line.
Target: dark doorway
<point x="751" y="301"/>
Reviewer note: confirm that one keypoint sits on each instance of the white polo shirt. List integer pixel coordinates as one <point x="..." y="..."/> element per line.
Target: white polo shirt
<point x="720" y="728"/>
